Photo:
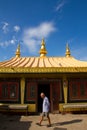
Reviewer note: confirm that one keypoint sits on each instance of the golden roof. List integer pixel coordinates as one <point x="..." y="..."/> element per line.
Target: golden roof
<point x="32" y="62"/>
<point x="43" y="63"/>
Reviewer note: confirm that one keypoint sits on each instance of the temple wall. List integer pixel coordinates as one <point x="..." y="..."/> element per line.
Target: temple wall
<point x="23" y="90"/>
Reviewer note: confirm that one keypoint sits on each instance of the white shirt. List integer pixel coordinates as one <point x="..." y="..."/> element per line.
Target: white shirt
<point x="46" y="105"/>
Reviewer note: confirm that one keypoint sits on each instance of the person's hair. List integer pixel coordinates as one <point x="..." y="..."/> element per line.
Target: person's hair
<point x="42" y="94"/>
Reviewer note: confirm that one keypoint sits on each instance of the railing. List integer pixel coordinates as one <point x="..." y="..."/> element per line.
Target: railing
<point x="15" y="107"/>
<point x="74" y="105"/>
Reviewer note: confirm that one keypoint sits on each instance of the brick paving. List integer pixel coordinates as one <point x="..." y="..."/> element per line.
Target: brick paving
<point x="59" y="122"/>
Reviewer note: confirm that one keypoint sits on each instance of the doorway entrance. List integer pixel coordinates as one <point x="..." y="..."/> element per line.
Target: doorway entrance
<point x="45" y="88"/>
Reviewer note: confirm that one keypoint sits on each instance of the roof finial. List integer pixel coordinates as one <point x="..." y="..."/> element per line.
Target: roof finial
<point x="18" y="51"/>
<point x="68" y="54"/>
<point x="43" y="51"/>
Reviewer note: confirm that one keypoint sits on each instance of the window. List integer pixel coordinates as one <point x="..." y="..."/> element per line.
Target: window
<point x="9" y="91"/>
<point x="13" y="91"/>
<point x="82" y="90"/>
<point x="31" y="89"/>
<point x="78" y="89"/>
<point x="32" y="92"/>
<point x="4" y="91"/>
<point x="74" y="90"/>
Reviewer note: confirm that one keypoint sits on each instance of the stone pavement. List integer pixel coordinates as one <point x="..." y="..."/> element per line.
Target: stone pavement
<point x="59" y="122"/>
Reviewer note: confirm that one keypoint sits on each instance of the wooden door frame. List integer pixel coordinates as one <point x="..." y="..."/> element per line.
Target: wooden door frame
<point x="47" y="83"/>
<point x="51" y="97"/>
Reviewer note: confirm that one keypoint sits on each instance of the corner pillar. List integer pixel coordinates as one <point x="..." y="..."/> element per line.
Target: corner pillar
<point x="65" y="89"/>
<point x="22" y="90"/>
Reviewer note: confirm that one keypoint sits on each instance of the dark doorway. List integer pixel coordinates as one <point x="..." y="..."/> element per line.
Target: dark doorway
<point x="45" y="88"/>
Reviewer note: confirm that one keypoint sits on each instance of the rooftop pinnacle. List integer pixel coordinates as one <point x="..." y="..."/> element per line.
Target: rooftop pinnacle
<point x="68" y="54"/>
<point x="18" y="51"/>
<point x="43" y="51"/>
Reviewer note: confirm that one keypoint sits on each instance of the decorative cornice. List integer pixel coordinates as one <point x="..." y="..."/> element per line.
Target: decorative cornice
<point x="43" y="70"/>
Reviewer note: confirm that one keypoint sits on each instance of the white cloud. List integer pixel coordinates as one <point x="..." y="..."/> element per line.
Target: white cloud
<point x="5" y="27"/>
<point x="16" y="28"/>
<point x="60" y="5"/>
<point x="13" y="40"/>
<point x="3" y="44"/>
<point x="78" y="53"/>
<point x="9" y="42"/>
<point x="32" y="36"/>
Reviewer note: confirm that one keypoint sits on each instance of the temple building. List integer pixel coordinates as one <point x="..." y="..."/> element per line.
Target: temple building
<point x="62" y="79"/>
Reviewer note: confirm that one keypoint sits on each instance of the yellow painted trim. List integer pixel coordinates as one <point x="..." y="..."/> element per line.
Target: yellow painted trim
<point x="42" y="69"/>
<point x="22" y="90"/>
<point x="65" y="89"/>
<point x="32" y="108"/>
<point x="70" y="109"/>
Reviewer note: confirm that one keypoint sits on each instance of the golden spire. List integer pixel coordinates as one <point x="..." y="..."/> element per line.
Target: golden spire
<point x="43" y="51"/>
<point x="68" y="54"/>
<point x="18" y="51"/>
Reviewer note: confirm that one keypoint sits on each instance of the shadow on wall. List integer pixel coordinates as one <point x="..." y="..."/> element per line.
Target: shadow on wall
<point x="13" y="122"/>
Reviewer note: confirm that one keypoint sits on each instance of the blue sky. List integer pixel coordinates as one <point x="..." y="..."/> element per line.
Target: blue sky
<point x="57" y="21"/>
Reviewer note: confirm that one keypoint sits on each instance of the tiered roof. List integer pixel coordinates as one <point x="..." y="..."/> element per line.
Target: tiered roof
<point x="43" y="63"/>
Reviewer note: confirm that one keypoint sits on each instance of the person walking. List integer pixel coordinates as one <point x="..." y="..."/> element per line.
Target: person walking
<point x="45" y="110"/>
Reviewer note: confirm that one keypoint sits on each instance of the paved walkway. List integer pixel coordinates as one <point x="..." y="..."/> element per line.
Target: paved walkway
<point x="59" y="122"/>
